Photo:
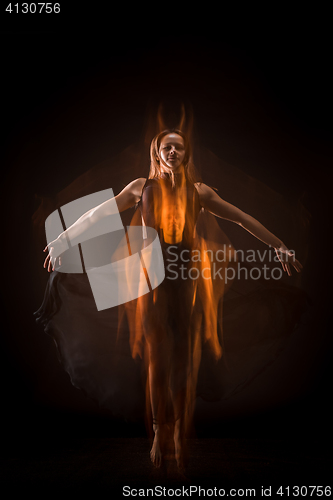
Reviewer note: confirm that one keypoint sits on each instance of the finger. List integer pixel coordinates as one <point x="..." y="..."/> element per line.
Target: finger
<point x="297" y="264"/>
<point x="283" y="265"/>
<point x="280" y="259"/>
<point x="49" y="257"/>
<point x="50" y="266"/>
<point x="288" y="269"/>
<point x="278" y="253"/>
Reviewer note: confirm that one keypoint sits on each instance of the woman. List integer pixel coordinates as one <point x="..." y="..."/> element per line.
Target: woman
<point x="175" y="313"/>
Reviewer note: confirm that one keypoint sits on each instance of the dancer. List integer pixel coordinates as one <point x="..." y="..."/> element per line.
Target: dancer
<point x="174" y="315"/>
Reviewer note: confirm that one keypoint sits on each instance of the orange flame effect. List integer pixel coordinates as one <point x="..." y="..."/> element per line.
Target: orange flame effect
<point x="170" y="325"/>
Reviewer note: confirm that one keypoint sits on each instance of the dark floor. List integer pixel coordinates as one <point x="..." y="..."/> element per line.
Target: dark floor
<point x="110" y="464"/>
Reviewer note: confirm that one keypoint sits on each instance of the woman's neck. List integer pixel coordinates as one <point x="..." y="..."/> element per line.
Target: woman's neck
<point x="169" y="172"/>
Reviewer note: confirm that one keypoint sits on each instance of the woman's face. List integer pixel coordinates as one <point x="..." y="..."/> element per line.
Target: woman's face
<point x="172" y="150"/>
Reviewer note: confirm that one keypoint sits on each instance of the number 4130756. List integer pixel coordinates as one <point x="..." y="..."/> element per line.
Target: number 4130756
<point x="316" y="491"/>
<point x="32" y="8"/>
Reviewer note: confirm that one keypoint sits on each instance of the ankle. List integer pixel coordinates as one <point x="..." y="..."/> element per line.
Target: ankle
<point x="156" y="428"/>
<point x="179" y="427"/>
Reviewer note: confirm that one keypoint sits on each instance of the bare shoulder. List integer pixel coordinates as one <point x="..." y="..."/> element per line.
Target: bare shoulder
<point x="199" y="186"/>
<point x="131" y="194"/>
<point x="203" y="189"/>
<point x="136" y="186"/>
<point x="140" y="180"/>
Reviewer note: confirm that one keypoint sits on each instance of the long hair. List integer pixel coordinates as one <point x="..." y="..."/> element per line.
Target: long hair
<point x="191" y="173"/>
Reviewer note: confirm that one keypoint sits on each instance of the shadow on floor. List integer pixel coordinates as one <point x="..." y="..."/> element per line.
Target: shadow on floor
<point x="109" y="464"/>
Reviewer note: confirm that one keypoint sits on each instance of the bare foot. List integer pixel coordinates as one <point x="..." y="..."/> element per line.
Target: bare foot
<point x="155" y="452"/>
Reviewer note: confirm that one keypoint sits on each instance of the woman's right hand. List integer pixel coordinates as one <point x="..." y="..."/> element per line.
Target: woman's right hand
<point x="54" y="249"/>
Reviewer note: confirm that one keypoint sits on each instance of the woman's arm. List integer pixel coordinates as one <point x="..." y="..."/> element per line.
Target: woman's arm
<point x="214" y="204"/>
<point x="130" y="195"/>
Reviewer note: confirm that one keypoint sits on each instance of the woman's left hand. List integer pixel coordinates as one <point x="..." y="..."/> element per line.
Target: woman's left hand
<point x="287" y="259"/>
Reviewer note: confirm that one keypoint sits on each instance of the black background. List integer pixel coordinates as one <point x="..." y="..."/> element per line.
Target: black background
<point x="73" y="97"/>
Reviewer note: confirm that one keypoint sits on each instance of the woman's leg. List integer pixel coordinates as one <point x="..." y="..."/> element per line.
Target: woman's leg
<point x="184" y="372"/>
<point x="159" y="374"/>
<point x="154" y="314"/>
